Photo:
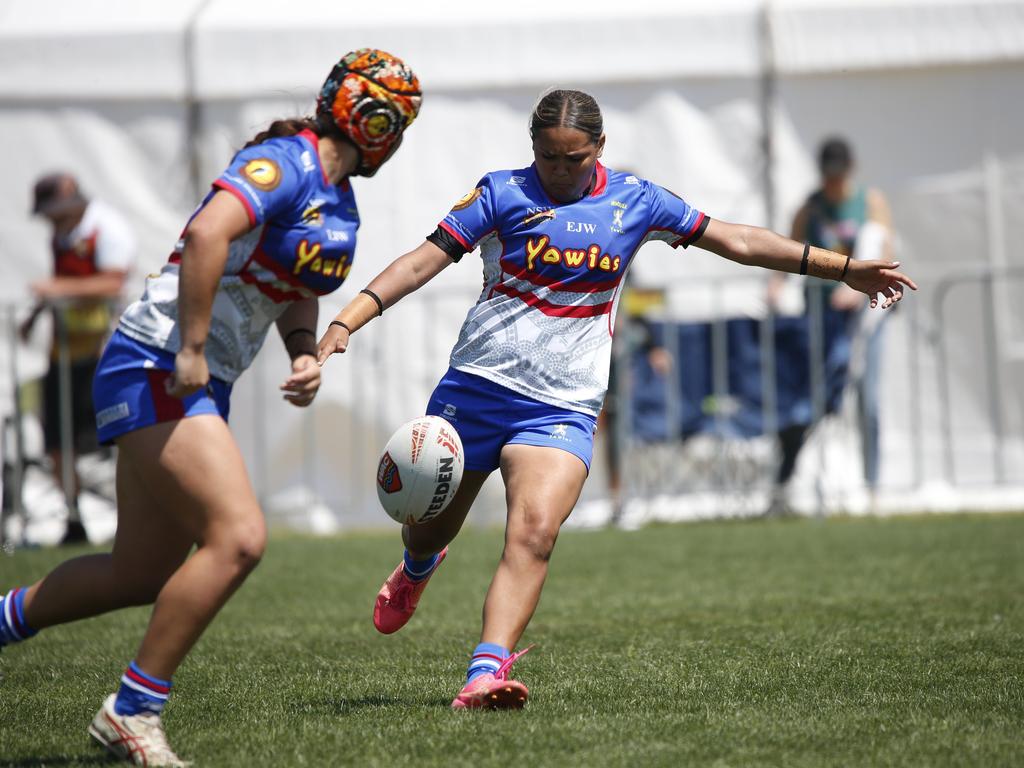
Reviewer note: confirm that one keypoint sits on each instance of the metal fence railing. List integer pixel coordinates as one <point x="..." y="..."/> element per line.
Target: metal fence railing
<point x="951" y="395"/>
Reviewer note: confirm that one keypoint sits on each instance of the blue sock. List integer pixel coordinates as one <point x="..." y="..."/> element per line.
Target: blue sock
<point x="13" y="627"/>
<point x="418" y="570"/>
<point x="487" y="657"/>
<point x="141" y="693"/>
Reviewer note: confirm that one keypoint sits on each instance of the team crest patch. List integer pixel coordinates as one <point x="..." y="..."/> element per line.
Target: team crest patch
<point x="263" y="172"/>
<point x="468" y="199"/>
<point x="387" y="474"/>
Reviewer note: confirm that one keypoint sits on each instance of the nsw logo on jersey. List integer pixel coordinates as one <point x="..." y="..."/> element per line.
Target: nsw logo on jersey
<point x="618" y="211"/>
<point x="263" y="173"/>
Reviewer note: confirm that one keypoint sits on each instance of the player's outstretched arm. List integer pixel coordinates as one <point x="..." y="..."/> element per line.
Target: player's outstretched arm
<point x="403" y="276"/>
<point x="761" y="247"/>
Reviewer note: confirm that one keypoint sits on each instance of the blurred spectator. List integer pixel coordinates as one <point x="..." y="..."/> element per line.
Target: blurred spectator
<point x="852" y="220"/>
<point x="93" y="251"/>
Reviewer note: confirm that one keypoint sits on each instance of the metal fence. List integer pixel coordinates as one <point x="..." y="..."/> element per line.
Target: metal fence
<point x="931" y="394"/>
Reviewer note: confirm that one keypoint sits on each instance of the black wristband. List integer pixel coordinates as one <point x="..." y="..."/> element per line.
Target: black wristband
<point x="376" y="298"/>
<point x="846" y="266"/>
<point x="803" y="261"/>
<point x="298" y="330"/>
<point x="338" y="322"/>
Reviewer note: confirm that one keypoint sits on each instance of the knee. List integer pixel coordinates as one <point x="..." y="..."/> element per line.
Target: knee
<point x="535" y="541"/>
<point x="249" y="546"/>
<point x="242" y="547"/>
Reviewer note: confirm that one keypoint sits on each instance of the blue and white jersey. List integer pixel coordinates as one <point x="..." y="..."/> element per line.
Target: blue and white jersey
<point x="301" y="245"/>
<point x="552" y="272"/>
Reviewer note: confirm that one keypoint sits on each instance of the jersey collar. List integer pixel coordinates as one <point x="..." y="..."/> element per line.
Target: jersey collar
<point x="313" y="139"/>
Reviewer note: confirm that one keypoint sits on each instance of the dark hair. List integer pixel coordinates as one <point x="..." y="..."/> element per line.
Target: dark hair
<point x="56" y="194"/>
<point x="567" y="109"/>
<point x="835" y="156"/>
<point x="290" y="126"/>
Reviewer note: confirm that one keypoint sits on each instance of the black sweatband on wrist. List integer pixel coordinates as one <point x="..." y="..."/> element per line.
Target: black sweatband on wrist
<point x="339" y="323"/>
<point x="846" y="266"/>
<point x="298" y="330"/>
<point x="376" y="298"/>
<point x="803" y="261"/>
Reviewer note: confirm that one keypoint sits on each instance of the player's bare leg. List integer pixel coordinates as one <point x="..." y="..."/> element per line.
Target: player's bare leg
<point x="148" y="547"/>
<point x="223" y="518"/>
<point x="542" y="486"/>
<point x="166" y="503"/>
<point x="430" y="538"/>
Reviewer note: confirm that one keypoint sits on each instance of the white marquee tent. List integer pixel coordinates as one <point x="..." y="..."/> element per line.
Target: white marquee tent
<point x="146" y="102"/>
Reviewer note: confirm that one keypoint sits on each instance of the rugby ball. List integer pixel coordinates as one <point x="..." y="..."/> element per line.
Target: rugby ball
<point x="420" y="470"/>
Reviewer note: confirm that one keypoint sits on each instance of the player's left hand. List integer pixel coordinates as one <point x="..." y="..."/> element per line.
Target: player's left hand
<point x="301" y="387"/>
<point x="878" y="279"/>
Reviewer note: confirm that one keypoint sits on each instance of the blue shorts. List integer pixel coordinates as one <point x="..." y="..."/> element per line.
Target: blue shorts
<point x="488" y="417"/>
<point x="128" y="390"/>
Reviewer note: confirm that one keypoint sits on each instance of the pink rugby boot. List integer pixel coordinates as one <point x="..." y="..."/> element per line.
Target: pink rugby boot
<point x="494" y="691"/>
<point x="397" y="599"/>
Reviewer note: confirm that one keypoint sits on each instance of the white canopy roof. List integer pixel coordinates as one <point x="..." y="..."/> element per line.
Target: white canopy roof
<point x="241" y="48"/>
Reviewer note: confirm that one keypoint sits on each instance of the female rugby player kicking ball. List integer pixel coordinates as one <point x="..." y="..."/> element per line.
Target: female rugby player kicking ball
<point x="530" y="368"/>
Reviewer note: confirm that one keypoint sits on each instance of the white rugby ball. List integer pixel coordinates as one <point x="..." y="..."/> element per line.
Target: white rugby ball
<point x="420" y="470"/>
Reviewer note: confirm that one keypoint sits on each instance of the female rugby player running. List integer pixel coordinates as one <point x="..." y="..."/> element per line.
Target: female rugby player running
<point x="530" y="368"/>
<point x="255" y="253"/>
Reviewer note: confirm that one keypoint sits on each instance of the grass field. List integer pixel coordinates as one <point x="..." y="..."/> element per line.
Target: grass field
<point x="848" y="642"/>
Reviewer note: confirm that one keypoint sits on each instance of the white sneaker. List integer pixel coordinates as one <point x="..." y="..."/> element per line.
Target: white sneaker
<point x="139" y="739"/>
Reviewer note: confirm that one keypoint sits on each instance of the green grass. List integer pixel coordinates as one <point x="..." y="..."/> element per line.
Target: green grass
<point x="848" y="642"/>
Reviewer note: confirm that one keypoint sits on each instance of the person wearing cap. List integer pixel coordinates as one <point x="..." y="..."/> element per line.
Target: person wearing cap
<point x="276" y="231"/>
<point x="852" y="220"/>
<point x="93" y="250"/>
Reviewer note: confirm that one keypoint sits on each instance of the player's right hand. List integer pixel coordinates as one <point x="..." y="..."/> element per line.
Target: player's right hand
<point x="335" y="339"/>
<point x="190" y="374"/>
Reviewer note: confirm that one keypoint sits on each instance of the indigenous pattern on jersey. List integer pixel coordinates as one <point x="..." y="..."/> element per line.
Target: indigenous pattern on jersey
<point x="543" y="323"/>
<point x="301" y="246"/>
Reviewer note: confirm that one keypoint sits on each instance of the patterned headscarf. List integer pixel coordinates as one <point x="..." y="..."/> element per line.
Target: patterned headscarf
<point x="372" y="97"/>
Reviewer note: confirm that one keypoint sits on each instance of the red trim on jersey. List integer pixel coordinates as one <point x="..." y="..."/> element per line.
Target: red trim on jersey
<point x="276" y="295"/>
<point x="569" y="283"/>
<point x="19" y="626"/>
<point x="260" y="257"/>
<point x="555" y="310"/>
<point x="165" y="406"/>
<point x="228" y="187"/>
<point x="313" y="139"/>
<point x="602" y="180"/>
<point x="451" y="231"/>
<point x="685" y="239"/>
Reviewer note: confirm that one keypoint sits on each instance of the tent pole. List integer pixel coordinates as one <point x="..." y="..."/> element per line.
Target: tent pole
<point x="769" y="399"/>
<point x="193" y="109"/>
<point x="768" y="93"/>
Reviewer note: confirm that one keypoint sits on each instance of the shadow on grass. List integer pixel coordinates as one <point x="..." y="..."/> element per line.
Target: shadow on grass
<point x="345" y="706"/>
<point x="99" y="758"/>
